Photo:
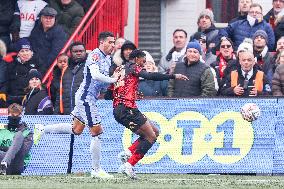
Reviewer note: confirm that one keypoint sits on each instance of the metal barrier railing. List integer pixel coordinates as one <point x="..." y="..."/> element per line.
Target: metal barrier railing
<point x="103" y="15"/>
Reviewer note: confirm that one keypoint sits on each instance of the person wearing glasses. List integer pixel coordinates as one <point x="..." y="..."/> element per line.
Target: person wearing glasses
<point x="246" y="80"/>
<point x="207" y="56"/>
<point x="225" y="58"/>
<point x="241" y="29"/>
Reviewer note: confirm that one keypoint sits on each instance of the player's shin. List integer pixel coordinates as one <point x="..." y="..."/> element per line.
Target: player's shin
<point x="142" y="149"/>
<point x="59" y="128"/>
<point x="95" y="149"/>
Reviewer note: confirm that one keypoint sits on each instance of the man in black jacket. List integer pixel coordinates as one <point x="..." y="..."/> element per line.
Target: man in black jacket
<point x="47" y="38"/>
<point x="71" y="80"/>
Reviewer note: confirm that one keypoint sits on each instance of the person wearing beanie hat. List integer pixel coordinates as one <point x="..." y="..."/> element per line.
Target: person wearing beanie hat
<point x="194" y="45"/>
<point x="206" y="25"/>
<point x="148" y="88"/>
<point x="262" y="34"/>
<point x="206" y="13"/>
<point x="34" y="74"/>
<point x="126" y="49"/>
<point x="264" y="60"/>
<point x="37" y="101"/>
<point x="246" y="45"/>
<point x="201" y="82"/>
<point x="23" y="43"/>
<point x="121" y="56"/>
<point x="18" y="70"/>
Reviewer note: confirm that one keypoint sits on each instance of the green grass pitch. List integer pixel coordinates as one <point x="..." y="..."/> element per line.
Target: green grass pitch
<point x="147" y="181"/>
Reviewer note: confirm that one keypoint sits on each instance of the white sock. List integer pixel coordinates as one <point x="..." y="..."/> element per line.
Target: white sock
<point x="95" y="149"/>
<point x="59" y="128"/>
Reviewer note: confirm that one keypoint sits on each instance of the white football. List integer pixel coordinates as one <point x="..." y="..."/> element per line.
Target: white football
<point x="250" y="112"/>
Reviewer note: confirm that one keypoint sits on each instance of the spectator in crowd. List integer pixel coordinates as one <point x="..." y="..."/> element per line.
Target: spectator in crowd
<point x="58" y="72"/>
<point x="244" y="6"/>
<point x="246" y="80"/>
<point x="118" y="43"/>
<point x="201" y="79"/>
<point x="3" y="69"/>
<point x="177" y="52"/>
<point x="246" y="45"/>
<point x="279" y="49"/>
<point x="152" y="88"/>
<point x="37" y="101"/>
<point x="206" y="25"/>
<point x="264" y="58"/>
<point x="70" y="79"/>
<point x="69" y="14"/>
<point x="18" y="69"/>
<point x="280" y="44"/>
<point x="280" y="59"/>
<point x="7" y="24"/>
<point x="28" y="14"/>
<point x="279" y="25"/>
<point x="207" y="56"/>
<point x="15" y="143"/>
<point x="47" y="38"/>
<point x="270" y="17"/>
<point x="241" y="29"/>
<point x="121" y="56"/>
<point x="278" y="78"/>
<point x="224" y="59"/>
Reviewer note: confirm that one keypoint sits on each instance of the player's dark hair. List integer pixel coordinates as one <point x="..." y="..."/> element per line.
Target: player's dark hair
<point x="103" y="35"/>
<point x="137" y="53"/>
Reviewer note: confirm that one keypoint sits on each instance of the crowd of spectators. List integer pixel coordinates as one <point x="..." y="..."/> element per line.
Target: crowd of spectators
<point x="244" y="59"/>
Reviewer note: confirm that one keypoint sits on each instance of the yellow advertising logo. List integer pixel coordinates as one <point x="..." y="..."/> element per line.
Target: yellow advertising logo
<point x="207" y="139"/>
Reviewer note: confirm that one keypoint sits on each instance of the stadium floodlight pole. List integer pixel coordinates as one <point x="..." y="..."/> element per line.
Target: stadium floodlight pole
<point x="73" y="36"/>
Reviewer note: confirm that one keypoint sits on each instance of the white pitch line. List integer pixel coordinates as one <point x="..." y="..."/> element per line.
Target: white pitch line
<point x="185" y="179"/>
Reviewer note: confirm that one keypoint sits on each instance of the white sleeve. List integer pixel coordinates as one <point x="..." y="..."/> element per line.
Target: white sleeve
<point x="97" y="75"/>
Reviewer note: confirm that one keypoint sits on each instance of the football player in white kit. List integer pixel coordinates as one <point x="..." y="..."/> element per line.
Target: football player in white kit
<point x="85" y="112"/>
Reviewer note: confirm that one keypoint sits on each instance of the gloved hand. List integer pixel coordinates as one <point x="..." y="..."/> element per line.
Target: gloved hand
<point x="10" y="57"/>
